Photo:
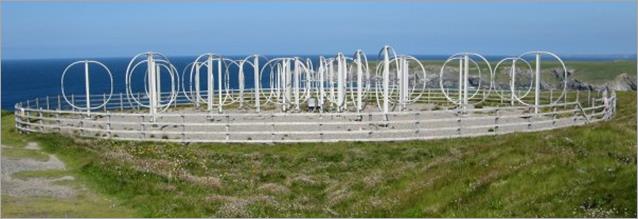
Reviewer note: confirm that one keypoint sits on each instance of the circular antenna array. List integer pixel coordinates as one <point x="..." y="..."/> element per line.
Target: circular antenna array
<point x="152" y="65"/>
<point x="87" y="83"/>
<point x="468" y="87"/>
<point x="340" y="83"/>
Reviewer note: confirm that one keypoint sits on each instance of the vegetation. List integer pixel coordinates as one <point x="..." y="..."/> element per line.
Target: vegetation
<point x="587" y="171"/>
<point x="593" y="72"/>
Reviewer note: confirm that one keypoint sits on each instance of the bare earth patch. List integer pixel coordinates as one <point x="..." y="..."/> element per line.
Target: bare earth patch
<point x="35" y="186"/>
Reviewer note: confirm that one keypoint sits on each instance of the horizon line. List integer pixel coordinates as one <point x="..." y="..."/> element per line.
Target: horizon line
<point x="570" y="56"/>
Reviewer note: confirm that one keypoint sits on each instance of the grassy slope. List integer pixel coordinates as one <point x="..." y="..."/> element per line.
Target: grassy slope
<point x="594" y="72"/>
<point x="87" y="203"/>
<point x="573" y="172"/>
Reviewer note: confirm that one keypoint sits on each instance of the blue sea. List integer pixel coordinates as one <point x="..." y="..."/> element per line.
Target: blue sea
<point x="28" y="79"/>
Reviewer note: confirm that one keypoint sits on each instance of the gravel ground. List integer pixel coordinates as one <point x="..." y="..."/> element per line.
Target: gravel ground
<point x="34" y="186"/>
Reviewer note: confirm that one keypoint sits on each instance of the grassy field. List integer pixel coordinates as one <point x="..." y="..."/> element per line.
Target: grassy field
<point x="587" y="171"/>
<point x="593" y="72"/>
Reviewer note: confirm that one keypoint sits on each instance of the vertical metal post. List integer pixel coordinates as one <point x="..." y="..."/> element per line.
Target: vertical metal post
<point x="197" y="86"/>
<point x="538" y="83"/>
<point x="104" y="99"/>
<point x="386" y="79"/>
<point x="121" y="102"/>
<point x="59" y="103"/>
<point x="297" y="84"/>
<point x="220" y="100"/>
<point x="340" y="81"/>
<point x="256" y="75"/>
<point x="460" y="91"/>
<point x="152" y="81"/>
<point x="322" y="94"/>
<point x="578" y="96"/>
<point x="359" y="82"/>
<point x="513" y="82"/>
<point x="158" y="75"/>
<point x="401" y="79"/>
<point x="241" y="83"/>
<point x="209" y="84"/>
<point x="589" y="97"/>
<point x="72" y="102"/>
<point x="288" y="80"/>
<point x="48" y="103"/>
<point x="466" y="72"/>
<point x="87" y="88"/>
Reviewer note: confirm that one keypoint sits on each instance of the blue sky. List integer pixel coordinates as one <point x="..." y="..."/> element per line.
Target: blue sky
<point x="108" y="29"/>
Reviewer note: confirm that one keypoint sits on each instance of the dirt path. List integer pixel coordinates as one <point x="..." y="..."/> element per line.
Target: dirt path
<point x="45" y="188"/>
<point x="34" y="186"/>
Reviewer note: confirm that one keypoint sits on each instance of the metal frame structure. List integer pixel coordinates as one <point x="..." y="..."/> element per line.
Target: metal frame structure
<point x="340" y="88"/>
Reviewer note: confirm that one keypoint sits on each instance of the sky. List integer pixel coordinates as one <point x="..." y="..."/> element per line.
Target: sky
<point x="33" y="30"/>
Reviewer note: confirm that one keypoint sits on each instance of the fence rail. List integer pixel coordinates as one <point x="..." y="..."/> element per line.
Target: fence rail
<point x="123" y="121"/>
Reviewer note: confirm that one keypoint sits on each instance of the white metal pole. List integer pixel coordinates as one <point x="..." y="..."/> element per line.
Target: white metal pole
<point x="538" y="83"/>
<point x="386" y="79"/>
<point x="241" y="83"/>
<point x="513" y="82"/>
<point x="209" y="84"/>
<point x="87" y="88"/>
<point x="197" y="88"/>
<point x="159" y="84"/>
<point x="404" y="84"/>
<point x="219" y="84"/>
<point x="460" y="81"/>
<point x="359" y="82"/>
<point x="400" y="81"/>
<point x="257" y="87"/>
<point x="152" y="86"/>
<point x="466" y="80"/>
<point x="297" y="83"/>
<point x="322" y="70"/>
<point x="340" y="81"/>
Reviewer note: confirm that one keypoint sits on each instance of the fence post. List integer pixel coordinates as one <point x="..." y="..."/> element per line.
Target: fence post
<point x="183" y="127"/>
<point x="108" y="124"/>
<point x="48" y="103"/>
<point x="554" y="115"/>
<point x="59" y="103"/>
<point x="41" y="117"/>
<point x="574" y="114"/>
<point x="458" y="120"/>
<point x="121" y="102"/>
<point x="58" y="122"/>
<point x="498" y="115"/>
<point x="72" y="102"/>
<point x="227" y="127"/>
<point x="142" y="126"/>
<point x="529" y="119"/>
<point x="105" y="103"/>
<point x="578" y="96"/>
<point x="589" y="97"/>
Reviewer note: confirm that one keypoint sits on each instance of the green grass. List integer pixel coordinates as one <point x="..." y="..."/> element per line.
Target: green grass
<point x="594" y="72"/>
<point x="9" y="134"/>
<point x="24" y="175"/>
<point x="91" y="206"/>
<point x="587" y="171"/>
<point x="599" y="72"/>
<point x="19" y="153"/>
